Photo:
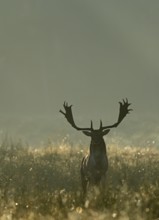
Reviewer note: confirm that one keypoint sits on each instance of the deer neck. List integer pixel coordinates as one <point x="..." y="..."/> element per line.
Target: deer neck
<point x="98" y="148"/>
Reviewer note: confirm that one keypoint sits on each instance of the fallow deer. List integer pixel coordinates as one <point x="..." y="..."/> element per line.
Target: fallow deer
<point x="95" y="165"/>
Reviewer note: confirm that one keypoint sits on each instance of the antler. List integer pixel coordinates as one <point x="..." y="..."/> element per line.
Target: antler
<point x="123" y="111"/>
<point x="69" y="116"/>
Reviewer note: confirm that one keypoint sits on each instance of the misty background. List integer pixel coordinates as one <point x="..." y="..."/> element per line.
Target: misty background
<point x="89" y="53"/>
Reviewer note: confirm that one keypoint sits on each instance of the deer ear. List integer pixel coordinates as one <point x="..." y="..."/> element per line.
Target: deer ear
<point x="88" y="133"/>
<point x="105" y="132"/>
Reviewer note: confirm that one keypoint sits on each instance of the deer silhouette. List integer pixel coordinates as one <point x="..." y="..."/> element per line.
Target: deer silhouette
<point x="95" y="165"/>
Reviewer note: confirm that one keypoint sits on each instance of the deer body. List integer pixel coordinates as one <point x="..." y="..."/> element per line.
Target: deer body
<point x="95" y="165"/>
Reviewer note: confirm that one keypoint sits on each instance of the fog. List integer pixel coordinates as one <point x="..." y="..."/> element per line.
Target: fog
<point x="89" y="53"/>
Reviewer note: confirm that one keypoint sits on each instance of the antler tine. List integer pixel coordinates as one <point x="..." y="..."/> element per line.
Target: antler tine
<point x="91" y="125"/>
<point x="62" y="112"/>
<point x="125" y="102"/>
<point x="65" y="106"/>
<point x="100" y="125"/>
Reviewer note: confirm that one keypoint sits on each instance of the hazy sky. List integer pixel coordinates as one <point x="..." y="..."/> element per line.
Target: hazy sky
<point x="88" y="52"/>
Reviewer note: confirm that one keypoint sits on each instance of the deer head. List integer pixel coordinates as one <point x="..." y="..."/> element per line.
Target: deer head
<point x="96" y="134"/>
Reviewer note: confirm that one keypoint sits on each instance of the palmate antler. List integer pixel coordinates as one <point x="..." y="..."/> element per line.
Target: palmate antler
<point x="123" y="111"/>
<point x="69" y="116"/>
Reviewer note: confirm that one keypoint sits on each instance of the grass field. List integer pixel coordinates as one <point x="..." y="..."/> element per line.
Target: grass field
<point x="44" y="183"/>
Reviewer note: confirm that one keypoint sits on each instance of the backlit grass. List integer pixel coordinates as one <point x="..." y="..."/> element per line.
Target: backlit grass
<point x="44" y="183"/>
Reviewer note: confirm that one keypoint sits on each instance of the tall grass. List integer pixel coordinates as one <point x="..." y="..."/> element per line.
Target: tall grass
<point x="44" y="183"/>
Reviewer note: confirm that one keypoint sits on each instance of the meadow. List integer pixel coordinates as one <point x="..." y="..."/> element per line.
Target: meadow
<point x="44" y="183"/>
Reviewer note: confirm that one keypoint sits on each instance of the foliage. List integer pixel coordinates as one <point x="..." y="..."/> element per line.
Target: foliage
<point x="44" y="183"/>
